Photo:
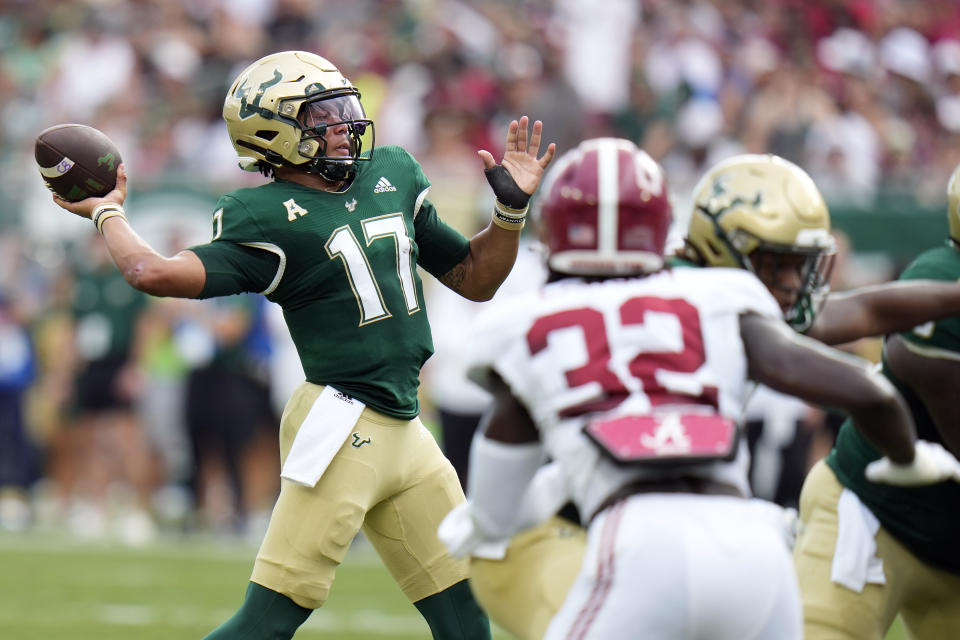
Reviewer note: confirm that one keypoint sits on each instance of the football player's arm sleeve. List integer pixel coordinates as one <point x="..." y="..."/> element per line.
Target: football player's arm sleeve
<point x="441" y="247"/>
<point x="234" y="268"/>
<point x="504" y="457"/>
<point x="799" y="366"/>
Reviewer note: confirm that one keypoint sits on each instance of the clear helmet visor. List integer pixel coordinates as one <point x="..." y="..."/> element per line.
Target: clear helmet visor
<point x="335" y="133"/>
<point x="338" y="124"/>
<point x="331" y="111"/>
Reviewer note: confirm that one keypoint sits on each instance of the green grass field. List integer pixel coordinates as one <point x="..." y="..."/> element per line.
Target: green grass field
<point x="52" y="589"/>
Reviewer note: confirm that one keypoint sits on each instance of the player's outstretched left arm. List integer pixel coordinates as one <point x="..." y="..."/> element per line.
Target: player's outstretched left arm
<point x="181" y="276"/>
<point x="799" y="366"/>
<point x="514" y="180"/>
<point x="885" y="308"/>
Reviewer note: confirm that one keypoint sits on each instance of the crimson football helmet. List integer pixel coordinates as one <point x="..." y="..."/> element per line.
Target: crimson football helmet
<point x="605" y="210"/>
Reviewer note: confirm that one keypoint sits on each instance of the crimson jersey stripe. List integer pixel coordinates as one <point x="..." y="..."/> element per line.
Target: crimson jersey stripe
<point x="606" y="559"/>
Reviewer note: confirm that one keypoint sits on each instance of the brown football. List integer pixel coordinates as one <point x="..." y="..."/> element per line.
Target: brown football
<point x="77" y="161"/>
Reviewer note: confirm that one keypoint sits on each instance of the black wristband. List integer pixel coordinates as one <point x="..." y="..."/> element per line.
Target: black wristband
<point x="505" y="188"/>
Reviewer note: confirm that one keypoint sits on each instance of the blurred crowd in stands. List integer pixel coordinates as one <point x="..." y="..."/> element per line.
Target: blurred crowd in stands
<point x="864" y="94"/>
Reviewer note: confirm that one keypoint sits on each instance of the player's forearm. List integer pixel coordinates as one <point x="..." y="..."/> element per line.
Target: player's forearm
<point x="881" y="309"/>
<point x="493" y="252"/>
<point x="142" y="267"/>
<point x="888" y="425"/>
<point x="133" y="256"/>
<point x="499" y="475"/>
<point x="799" y="366"/>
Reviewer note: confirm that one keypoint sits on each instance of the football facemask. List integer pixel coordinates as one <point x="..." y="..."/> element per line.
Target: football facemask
<point x="605" y="210"/>
<point x="335" y="132"/>
<point x="798" y="281"/>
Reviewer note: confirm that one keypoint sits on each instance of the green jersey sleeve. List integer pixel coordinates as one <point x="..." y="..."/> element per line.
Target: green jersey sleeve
<point x="232" y="260"/>
<point x="942" y="335"/>
<point x="441" y="246"/>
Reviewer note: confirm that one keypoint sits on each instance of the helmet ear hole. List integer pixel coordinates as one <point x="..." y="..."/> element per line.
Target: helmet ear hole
<point x="266" y="134"/>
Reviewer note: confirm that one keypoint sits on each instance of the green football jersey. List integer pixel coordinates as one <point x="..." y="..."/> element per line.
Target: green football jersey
<point x="924" y="519"/>
<point x="343" y="268"/>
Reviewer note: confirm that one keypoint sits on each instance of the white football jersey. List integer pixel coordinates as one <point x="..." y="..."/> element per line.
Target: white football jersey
<point x="574" y="351"/>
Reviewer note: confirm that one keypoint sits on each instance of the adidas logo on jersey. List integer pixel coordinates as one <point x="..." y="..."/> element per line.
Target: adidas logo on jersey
<point x="383" y="185"/>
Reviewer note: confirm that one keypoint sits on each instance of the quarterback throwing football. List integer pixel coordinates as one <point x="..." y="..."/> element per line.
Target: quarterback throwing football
<point x="335" y="239"/>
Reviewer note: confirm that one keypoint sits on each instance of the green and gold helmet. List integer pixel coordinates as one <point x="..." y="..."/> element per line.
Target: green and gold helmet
<point x="953" y="206"/>
<point x="764" y="214"/>
<point x="278" y="111"/>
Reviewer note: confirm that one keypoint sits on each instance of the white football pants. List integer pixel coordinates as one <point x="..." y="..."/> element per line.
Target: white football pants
<point x="684" y="567"/>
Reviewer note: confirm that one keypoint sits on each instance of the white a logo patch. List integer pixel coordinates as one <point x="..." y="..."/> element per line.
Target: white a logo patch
<point x="669" y="438"/>
<point x="383" y="185"/>
<point x="294" y="210"/>
<point x="351" y="205"/>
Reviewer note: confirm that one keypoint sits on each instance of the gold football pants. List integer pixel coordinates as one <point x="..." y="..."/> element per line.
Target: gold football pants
<point x="523" y="591"/>
<point x="389" y="479"/>
<point x="927" y="599"/>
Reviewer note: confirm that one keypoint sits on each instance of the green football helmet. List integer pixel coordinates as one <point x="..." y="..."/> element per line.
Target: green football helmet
<point x="953" y="206"/>
<point x="279" y="109"/>
<point x="765" y="214"/>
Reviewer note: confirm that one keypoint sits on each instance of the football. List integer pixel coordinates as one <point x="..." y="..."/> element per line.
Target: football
<point x="77" y="161"/>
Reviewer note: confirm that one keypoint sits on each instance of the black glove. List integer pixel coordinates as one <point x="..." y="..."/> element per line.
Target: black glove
<point x="505" y="188"/>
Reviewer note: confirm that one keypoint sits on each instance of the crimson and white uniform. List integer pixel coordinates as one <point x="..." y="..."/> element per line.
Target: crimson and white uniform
<point x="666" y="346"/>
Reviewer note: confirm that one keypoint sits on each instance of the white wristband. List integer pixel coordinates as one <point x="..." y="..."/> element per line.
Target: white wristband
<point x="508" y="218"/>
<point x="104" y="211"/>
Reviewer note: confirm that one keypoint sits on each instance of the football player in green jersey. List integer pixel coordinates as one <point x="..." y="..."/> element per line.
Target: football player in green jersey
<point x="335" y="239"/>
<point x="764" y="214"/>
<point x="868" y="552"/>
